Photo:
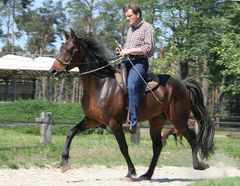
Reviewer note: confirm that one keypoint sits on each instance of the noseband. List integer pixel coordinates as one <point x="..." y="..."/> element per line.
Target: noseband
<point x="65" y="63"/>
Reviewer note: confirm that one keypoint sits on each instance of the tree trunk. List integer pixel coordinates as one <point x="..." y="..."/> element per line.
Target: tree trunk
<point x="184" y="69"/>
<point x="60" y="96"/>
<point x="219" y="100"/>
<point x="205" y="83"/>
<point x="13" y="18"/>
<point x="44" y="87"/>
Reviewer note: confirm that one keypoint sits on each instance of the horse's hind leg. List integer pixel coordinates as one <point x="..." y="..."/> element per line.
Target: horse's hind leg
<point x="83" y="125"/>
<point x="190" y="135"/>
<point x="180" y="139"/>
<point x="119" y="135"/>
<point x="155" y="133"/>
<point x="175" y="138"/>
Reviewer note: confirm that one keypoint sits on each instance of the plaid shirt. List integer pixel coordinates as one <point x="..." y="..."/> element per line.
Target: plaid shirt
<point x="143" y="37"/>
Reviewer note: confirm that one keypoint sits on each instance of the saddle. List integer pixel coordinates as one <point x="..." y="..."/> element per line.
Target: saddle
<point x="152" y="80"/>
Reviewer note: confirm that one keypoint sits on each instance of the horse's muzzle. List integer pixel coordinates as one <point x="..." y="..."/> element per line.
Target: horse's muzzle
<point x="57" y="74"/>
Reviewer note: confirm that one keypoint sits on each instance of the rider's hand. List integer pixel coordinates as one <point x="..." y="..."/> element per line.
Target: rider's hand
<point x="118" y="51"/>
<point x="125" y="52"/>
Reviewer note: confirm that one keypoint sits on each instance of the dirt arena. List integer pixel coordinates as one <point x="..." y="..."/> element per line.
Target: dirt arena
<point x="103" y="176"/>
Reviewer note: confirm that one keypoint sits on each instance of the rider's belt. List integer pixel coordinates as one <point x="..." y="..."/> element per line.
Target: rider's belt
<point x="138" y="56"/>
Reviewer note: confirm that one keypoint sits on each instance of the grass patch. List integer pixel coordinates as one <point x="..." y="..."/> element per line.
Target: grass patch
<point x="19" y="149"/>
<point x="24" y="150"/>
<point x="234" y="181"/>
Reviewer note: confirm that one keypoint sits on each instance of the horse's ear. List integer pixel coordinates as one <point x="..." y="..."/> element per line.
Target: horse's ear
<point x="66" y="35"/>
<point x="73" y="35"/>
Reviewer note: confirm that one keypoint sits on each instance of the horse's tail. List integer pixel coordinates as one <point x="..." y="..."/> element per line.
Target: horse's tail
<point x="206" y="127"/>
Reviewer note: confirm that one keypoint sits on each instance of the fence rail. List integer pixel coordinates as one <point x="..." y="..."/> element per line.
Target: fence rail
<point x="15" y="123"/>
<point x="45" y="121"/>
<point x="220" y="125"/>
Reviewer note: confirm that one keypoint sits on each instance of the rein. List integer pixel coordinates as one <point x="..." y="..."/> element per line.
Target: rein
<point x="75" y="50"/>
<point x="110" y="62"/>
<point x="114" y="60"/>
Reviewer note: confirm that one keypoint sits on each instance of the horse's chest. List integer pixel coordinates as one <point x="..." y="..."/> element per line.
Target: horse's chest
<point x="104" y="103"/>
<point x="95" y="108"/>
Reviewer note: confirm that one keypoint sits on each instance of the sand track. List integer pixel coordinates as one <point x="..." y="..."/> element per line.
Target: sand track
<point x="103" y="176"/>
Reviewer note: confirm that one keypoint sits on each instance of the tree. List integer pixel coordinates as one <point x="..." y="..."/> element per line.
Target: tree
<point x="227" y="51"/>
<point x="113" y="24"/>
<point x="9" y="10"/>
<point x="188" y="24"/>
<point x="83" y="15"/>
<point x="42" y="26"/>
<point x="224" y="66"/>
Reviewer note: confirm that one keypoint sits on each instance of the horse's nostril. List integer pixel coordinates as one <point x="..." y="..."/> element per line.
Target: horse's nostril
<point x="54" y="71"/>
<point x="57" y="74"/>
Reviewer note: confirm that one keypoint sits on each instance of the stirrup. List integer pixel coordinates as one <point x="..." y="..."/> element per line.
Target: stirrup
<point x="132" y="129"/>
<point x="126" y="127"/>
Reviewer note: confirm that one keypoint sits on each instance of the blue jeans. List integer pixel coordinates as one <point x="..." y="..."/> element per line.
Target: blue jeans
<point x="135" y="85"/>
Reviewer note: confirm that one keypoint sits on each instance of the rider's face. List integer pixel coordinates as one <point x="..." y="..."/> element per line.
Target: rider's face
<point x="133" y="19"/>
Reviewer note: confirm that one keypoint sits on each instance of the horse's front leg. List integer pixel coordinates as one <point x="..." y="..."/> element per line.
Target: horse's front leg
<point x="120" y="137"/>
<point x="83" y="125"/>
<point x="155" y="133"/>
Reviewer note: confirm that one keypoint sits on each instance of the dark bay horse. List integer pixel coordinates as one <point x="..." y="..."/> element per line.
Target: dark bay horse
<point x="103" y="102"/>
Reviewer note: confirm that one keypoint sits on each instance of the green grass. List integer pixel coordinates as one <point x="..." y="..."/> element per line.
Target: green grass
<point x="20" y="146"/>
<point x="234" y="181"/>
<point x="229" y="145"/>
<point x="19" y="149"/>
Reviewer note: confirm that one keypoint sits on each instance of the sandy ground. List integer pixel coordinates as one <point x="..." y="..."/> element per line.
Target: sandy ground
<point x="103" y="176"/>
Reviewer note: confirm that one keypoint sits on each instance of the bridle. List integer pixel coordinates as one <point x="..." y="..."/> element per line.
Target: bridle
<point x="75" y="50"/>
<point x="65" y="63"/>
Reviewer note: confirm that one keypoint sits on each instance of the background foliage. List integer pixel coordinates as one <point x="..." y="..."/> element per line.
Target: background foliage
<point x="193" y="37"/>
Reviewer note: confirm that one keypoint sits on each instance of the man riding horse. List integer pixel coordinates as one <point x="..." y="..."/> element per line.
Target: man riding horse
<point x="139" y="47"/>
<point x="103" y="101"/>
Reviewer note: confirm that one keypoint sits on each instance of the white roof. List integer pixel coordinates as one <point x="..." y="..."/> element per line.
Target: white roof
<point x="14" y="62"/>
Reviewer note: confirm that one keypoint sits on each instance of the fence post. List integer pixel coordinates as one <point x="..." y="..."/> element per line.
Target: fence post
<point x="135" y="138"/>
<point x="45" y="127"/>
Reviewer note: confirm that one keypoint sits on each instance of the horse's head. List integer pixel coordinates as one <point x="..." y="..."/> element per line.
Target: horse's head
<point x="84" y="53"/>
<point x="68" y="57"/>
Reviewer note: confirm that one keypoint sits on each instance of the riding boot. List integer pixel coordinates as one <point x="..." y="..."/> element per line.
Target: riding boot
<point x="126" y="125"/>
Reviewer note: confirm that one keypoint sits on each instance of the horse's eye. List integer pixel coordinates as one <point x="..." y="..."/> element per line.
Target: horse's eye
<point x="69" y="50"/>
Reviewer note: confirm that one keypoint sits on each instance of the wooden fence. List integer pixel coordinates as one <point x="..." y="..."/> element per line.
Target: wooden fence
<point x="226" y="123"/>
<point x="45" y="121"/>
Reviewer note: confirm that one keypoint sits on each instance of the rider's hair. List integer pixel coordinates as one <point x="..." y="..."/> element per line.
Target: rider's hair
<point x="135" y="8"/>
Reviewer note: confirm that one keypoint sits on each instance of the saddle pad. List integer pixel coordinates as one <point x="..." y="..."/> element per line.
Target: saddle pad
<point x="163" y="78"/>
<point x="157" y="80"/>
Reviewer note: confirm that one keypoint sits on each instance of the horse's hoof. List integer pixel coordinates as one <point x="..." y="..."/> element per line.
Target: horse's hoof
<point x="144" y="177"/>
<point x="64" y="168"/>
<point x="201" y="166"/>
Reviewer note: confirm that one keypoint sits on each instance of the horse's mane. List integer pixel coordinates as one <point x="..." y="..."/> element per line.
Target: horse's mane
<point x="98" y="54"/>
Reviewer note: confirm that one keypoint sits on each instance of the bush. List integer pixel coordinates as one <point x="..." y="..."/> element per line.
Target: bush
<point x="30" y="109"/>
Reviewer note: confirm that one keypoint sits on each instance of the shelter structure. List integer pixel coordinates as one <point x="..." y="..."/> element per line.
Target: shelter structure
<point x="21" y="77"/>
